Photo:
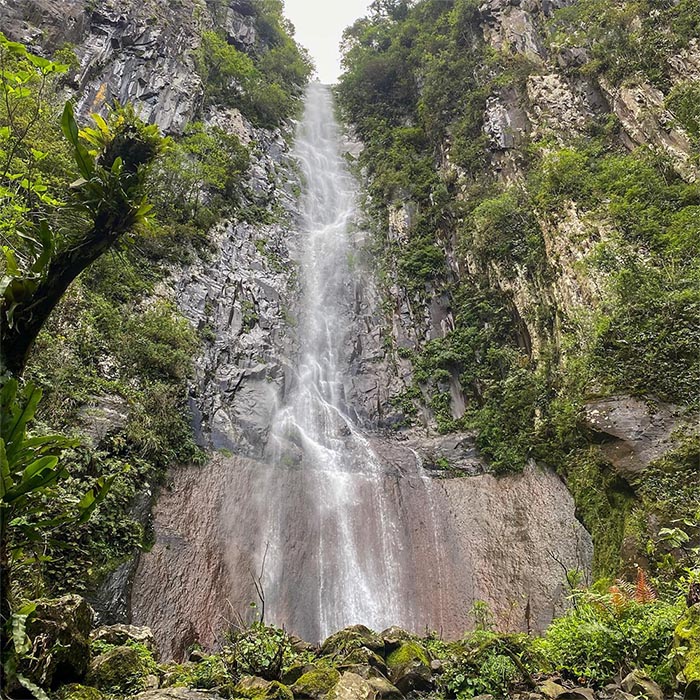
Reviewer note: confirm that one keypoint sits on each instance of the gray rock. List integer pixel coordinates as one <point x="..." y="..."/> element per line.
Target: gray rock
<point x="639" y="683"/>
<point x="121" y="634"/>
<point x="634" y="434"/>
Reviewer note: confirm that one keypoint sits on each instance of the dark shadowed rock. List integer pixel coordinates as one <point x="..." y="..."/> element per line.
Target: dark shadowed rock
<point x="352" y="638"/>
<point x="59" y="630"/>
<point x="120" y="670"/>
<point x="316" y="684"/>
<point x="409" y="668"/>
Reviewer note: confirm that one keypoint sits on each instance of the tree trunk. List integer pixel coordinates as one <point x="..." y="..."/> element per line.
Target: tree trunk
<point x="16" y="341"/>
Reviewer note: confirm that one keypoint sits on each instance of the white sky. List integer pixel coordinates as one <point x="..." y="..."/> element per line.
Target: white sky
<point x="319" y="27"/>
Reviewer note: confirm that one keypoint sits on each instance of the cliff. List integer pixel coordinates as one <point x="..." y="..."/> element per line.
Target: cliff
<point x="531" y="174"/>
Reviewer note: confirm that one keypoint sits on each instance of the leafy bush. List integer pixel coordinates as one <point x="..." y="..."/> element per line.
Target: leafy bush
<point x="485" y="663"/>
<point x="602" y="636"/>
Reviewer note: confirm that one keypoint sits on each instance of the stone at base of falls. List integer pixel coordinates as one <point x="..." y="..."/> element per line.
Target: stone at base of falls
<point x="120" y="670"/>
<point x="316" y="684"/>
<point x="409" y="668"/>
<point x="354" y="687"/>
<point x="118" y="635"/>
<point x="365" y="661"/>
<point x="259" y="689"/>
<point x="351" y="638"/>
<point x="60" y="632"/>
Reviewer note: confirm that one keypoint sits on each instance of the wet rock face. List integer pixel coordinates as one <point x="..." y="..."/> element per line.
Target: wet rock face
<point x="463" y="539"/>
<point x="242" y="299"/>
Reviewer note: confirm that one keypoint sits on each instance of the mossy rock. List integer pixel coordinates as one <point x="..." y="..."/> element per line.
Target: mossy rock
<point x="394" y="636"/>
<point x="407" y="652"/>
<point x="687" y="634"/>
<point x="63" y="624"/>
<point x="295" y="672"/>
<point x="409" y="668"/>
<point x="75" y="691"/>
<point x="256" y="688"/>
<point x="121" y="635"/>
<point x="122" y="669"/>
<point x="317" y="683"/>
<point x="363" y="657"/>
<point x="351" y="638"/>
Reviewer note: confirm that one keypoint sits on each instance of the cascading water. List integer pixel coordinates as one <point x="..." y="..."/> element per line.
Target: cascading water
<point x="356" y="569"/>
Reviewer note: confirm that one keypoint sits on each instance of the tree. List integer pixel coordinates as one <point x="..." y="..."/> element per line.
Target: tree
<point x="52" y="242"/>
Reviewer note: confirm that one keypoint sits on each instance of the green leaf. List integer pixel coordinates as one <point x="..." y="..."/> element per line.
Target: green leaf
<point x="69" y="126"/>
<point x="94" y="497"/>
<point x="47" y="246"/>
<point x="34" y="689"/>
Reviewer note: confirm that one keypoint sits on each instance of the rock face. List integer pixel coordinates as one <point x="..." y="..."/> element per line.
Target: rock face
<point x="133" y="51"/>
<point x="631" y="432"/>
<point x="477" y="538"/>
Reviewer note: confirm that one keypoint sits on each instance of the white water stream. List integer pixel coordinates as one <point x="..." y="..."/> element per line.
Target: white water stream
<point x="356" y="567"/>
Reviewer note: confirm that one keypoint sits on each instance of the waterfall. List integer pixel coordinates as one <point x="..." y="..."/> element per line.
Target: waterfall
<point x="327" y="521"/>
<point x="356" y="568"/>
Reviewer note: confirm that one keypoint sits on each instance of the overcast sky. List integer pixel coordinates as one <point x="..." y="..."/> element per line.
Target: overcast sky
<point x="319" y="25"/>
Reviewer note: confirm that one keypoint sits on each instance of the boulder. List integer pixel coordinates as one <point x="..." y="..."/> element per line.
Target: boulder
<point x="551" y="690"/>
<point x="687" y="635"/>
<point x="178" y="694"/>
<point x="363" y="657"/>
<point x="639" y="683"/>
<point x="121" y="670"/>
<point x="409" y="668"/>
<point x="75" y="691"/>
<point x="259" y="689"/>
<point x="393" y="636"/>
<point x="316" y="684"/>
<point x="59" y="630"/>
<point x="352" y="687"/>
<point x="353" y="638"/>
<point x="119" y="635"/>
<point x="383" y="690"/>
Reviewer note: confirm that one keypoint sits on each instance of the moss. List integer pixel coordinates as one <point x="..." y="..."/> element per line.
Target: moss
<point x="210" y="672"/>
<point x="604" y="502"/>
<point x="687" y="636"/>
<point x="259" y="689"/>
<point x="75" y="691"/>
<point x="122" y="669"/>
<point x="316" y="683"/>
<point x="407" y="653"/>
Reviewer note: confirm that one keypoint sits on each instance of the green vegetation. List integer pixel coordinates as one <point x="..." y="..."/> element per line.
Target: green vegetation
<point x="265" y="85"/>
